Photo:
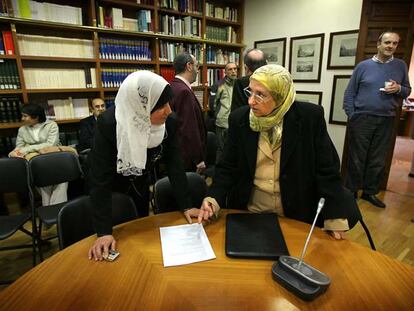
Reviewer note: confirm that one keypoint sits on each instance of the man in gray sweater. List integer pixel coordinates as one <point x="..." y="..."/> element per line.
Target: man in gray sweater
<point x="374" y="92"/>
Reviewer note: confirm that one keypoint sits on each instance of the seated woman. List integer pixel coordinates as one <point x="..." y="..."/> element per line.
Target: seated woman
<point x="279" y="158"/>
<point x="35" y="134"/>
<point x="130" y="138"/>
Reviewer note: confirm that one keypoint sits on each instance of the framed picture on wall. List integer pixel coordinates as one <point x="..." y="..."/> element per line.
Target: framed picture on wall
<point x="337" y="114"/>
<point x="275" y="50"/>
<point x="306" y="58"/>
<point x="309" y="96"/>
<point x="342" y="49"/>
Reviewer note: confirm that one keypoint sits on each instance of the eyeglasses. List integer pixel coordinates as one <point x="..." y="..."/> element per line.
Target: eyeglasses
<point x="257" y="97"/>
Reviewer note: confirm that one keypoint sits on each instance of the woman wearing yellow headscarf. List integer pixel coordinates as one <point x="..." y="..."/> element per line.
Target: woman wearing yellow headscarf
<point x="279" y="158"/>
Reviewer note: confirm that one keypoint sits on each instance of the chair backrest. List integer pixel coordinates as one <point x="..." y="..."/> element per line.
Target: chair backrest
<point x="14" y="174"/>
<point x="75" y="218"/>
<point x="211" y="148"/>
<point x="54" y="168"/>
<point x="164" y="194"/>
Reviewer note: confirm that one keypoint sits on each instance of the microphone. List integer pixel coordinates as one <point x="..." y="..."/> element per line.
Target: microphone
<point x="297" y="276"/>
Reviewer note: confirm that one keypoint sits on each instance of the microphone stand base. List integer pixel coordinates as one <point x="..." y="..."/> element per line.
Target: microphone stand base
<point x="307" y="282"/>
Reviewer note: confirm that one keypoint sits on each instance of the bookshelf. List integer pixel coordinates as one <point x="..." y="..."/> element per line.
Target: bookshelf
<point x="80" y="49"/>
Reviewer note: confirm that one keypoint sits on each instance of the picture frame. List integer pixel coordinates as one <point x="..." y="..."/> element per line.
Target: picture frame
<point x="314" y="97"/>
<point x="342" y="49"/>
<point x="305" y="60"/>
<point x="275" y="50"/>
<point x="337" y="114"/>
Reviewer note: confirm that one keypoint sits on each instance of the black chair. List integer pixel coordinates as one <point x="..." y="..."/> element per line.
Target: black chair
<point x="52" y="169"/>
<point x="75" y="218"/>
<point x="164" y="194"/>
<point x="211" y="153"/>
<point x="14" y="174"/>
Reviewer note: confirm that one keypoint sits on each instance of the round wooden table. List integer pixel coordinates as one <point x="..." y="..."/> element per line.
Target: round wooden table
<point x="361" y="278"/>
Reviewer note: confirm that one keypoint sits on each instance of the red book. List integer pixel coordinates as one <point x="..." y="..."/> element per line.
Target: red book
<point x="8" y="42"/>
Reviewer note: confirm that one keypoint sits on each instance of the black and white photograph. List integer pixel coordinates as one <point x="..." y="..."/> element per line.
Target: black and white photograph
<point x="306" y="58"/>
<point x="275" y="50"/>
<point x="342" y="49"/>
<point x="313" y="97"/>
<point x="337" y="114"/>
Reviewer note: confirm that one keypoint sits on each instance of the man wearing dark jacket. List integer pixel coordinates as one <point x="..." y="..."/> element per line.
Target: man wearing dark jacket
<point x="253" y="59"/>
<point x="87" y="125"/>
<point x="191" y="131"/>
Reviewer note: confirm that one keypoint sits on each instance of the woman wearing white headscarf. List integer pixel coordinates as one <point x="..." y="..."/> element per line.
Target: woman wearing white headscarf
<point x="129" y="138"/>
<point x="279" y="158"/>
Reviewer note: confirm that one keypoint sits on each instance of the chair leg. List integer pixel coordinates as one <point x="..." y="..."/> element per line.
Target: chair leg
<point x="39" y="241"/>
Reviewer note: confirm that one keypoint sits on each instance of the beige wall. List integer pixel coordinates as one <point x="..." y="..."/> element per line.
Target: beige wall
<point x="267" y="19"/>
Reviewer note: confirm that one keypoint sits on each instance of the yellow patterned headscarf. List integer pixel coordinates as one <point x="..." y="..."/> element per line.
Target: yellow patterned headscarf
<point x="279" y="82"/>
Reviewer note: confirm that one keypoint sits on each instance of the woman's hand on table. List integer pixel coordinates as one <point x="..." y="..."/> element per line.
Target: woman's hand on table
<point x="337" y="235"/>
<point x="206" y="212"/>
<point x="101" y="246"/>
<point x="191" y="213"/>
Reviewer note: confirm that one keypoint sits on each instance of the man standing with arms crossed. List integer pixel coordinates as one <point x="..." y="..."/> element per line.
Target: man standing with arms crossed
<point x="371" y="99"/>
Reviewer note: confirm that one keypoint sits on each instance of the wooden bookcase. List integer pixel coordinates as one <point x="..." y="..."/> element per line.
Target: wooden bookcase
<point x="90" y="30"/>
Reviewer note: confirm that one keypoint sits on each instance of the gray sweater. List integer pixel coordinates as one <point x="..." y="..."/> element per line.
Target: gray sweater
<point x="363" y="93"/>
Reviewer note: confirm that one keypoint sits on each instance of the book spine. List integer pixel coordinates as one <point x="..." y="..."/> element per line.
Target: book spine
<point x="8" y="42"/>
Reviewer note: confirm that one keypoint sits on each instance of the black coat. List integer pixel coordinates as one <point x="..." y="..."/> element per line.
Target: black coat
<point x="239" y="99"/>
<point x="103" y="177"/>
<point x="309" y="167"/>
<point x="86" y="132"/>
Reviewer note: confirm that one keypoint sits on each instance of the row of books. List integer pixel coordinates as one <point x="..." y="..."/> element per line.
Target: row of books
<point x="10" y="108"/>
<point x="215" y="55"/>
<point x="113" y="77"/>
<point x="59" y="78"/>
<point x="114" y="18"/>
<point x="54" y="46"/>
<point x="226" y="13"/>
<point x="6" y="43"/>
<point x="9" y="75"/>
<point x="187" y="6"/>
<point x="168" y="73"/>
<point x="67" y="108"/>
<point x="109" y="101"/>
<point x="45" y="11"/>
<point x="172" y="25"/>
<point x="124" y="49"/>
<point x="225" y="34"/>
<point x="3" y="8"/>
<point x="168" y="50"/>
<point x="214" y="75"/>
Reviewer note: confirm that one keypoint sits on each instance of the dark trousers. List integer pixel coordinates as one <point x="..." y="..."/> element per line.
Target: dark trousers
<point x="369" y="138"/>
<point x="138" y="189"/>
<point x="221" y="134"/>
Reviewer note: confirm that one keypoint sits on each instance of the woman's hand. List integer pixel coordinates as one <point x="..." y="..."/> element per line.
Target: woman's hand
<point x="191" y="213"/>
<point x="100" y="249"/>
<point x="206" y="211"/>
<point x="338" y="235"/>
<point x="16" y="154"/>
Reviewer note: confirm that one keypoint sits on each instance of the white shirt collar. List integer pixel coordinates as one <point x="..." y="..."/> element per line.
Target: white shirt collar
<point x="375" y="59"/>
<point x="184" y="80"/>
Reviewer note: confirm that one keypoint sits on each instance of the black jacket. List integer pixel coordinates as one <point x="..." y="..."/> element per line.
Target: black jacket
<point x="103" y="176"/>
<point x="239" y="99"/>
<point x="309" y="167"/>
<point x="86" y="132"/>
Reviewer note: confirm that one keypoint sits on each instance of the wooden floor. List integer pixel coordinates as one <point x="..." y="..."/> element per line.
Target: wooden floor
<point x="391" y="228"/>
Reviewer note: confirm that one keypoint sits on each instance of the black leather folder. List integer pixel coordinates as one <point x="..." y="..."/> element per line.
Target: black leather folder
<point x="254" y="236"/>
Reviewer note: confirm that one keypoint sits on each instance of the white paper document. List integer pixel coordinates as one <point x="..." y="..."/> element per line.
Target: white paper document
<point x="185" y="244"/>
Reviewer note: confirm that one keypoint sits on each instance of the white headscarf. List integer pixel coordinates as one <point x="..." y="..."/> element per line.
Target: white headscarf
<point x="136" y="97"/>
